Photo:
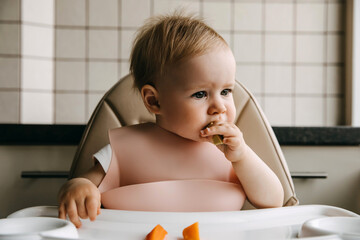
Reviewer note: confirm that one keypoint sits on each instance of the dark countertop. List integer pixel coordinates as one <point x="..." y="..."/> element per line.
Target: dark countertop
<point x="340" y="135"/>
<point x="38" y="134"/>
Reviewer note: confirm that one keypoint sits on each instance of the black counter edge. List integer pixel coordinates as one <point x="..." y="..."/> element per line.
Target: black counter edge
<point x="40" y="134"/>
<point x="336" y="136"/>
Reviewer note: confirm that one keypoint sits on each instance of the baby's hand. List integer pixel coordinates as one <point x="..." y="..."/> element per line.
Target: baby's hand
<point x="79" y="197"/>
<point x="234" y="146"/>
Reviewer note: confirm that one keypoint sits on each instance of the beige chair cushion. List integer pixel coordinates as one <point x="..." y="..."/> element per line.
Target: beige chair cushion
<point x="122" y="105"/>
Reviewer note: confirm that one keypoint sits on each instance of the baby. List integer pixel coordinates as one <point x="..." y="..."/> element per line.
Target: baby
<point x="185" y="73"/>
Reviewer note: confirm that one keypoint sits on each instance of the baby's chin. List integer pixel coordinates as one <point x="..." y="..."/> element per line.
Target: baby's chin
<point x="189" y="134"/>
<point x="199" y="139"/>
<point x="191" y="137"/>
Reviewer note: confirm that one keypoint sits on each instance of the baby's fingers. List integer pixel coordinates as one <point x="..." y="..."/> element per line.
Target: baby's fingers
<point x="81" y="209"/>
<point x="232" y="142"/>
<point x="72" y="212"/>
<point x="62" y="211"/>
<point x="93" y="207"/>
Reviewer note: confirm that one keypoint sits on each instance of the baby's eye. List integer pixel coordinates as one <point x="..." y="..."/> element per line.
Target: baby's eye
<point x="226" y="92"/>
<point x="200" y="94"/>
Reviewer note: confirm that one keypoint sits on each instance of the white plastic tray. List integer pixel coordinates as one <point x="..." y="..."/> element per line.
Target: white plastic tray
<point x="279" y="223"/>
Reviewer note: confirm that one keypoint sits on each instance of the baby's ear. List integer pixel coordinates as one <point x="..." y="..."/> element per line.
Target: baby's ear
<point x="150" y="98"/>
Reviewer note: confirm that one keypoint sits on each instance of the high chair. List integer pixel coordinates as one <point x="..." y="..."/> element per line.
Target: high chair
<point x="122" y="105"/>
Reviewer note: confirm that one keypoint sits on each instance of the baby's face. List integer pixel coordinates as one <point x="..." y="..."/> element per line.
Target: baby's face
<point x="198" y="91"/>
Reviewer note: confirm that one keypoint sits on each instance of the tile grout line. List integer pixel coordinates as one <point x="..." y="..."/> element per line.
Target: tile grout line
<point x="152" y="11"/>
<point x="119" y="22"/>
<point x="54" y="65"/>
<point x="263" y="50"/>
<point x="232" y="26"/>
<point x="87" y="49"/>
<point x="20" y="64"/>
<point x="325" y="97"/>
<point x="294" y="64"/>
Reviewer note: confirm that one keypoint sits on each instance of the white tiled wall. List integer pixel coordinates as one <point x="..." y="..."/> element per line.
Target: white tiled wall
<point x="58" y="57"/>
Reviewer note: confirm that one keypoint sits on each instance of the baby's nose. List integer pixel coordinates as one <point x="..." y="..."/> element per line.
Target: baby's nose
<point x="217" y="108"/>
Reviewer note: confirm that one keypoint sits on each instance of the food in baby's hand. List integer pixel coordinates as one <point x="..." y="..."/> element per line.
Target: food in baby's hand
<point x="192" y="232"/>
<point x="158" y="233"/>
<point x="217" y="139"/>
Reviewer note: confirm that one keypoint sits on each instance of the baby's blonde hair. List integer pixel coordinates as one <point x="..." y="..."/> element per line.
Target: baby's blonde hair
<point x="166" y="40"/>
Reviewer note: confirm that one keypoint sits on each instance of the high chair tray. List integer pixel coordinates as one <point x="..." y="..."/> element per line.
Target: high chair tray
<point x="276" y="223"/>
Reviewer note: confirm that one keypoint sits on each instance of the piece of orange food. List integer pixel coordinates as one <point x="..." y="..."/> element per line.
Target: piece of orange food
<point x="158" y="233"/>
<point x="192" y="232"/>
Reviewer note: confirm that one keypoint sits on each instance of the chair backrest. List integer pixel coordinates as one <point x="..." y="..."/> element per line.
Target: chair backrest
<point x="122" y="105"/>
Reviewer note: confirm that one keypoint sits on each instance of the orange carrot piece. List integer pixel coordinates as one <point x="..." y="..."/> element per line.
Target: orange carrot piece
<point x="158" y="233"/>
<point x="192" y="232"/>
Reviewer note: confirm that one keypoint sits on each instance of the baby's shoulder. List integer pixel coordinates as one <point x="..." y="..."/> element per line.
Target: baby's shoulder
<point x="137" y="130"/>
<point x="129" y="138"/>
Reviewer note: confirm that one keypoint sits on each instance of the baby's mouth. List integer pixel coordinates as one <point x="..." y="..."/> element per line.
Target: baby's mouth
<point x="208" y="125"/>
<point x="217" y="139"/>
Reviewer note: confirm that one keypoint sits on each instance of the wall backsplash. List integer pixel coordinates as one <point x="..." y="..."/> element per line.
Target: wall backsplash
<point x="58" y="57"/>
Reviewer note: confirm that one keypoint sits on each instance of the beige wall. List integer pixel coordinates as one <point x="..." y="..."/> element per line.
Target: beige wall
<point x="341" y="188"/>
<point x="60" y="56"/>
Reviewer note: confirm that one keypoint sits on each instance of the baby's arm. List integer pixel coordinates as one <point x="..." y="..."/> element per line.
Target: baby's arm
<point x="80" y="197"/>
<point x="260" y="183"/>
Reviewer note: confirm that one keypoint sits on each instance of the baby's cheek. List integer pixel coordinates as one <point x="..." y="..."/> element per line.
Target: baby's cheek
<point x="231" y="114"/>
<point x="188" y="126"/>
